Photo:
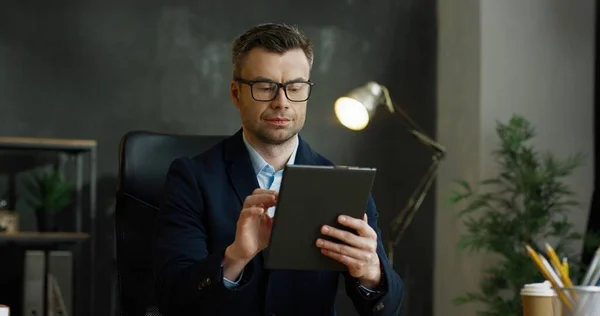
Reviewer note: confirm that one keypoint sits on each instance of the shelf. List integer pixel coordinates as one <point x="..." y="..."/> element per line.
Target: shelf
<point x="80" y="149"/>
<point x="47" y="239"/>
<point x="51" y="144"/>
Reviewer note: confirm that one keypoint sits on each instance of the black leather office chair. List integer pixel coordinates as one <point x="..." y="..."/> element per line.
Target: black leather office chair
<point x="144" y="159"/>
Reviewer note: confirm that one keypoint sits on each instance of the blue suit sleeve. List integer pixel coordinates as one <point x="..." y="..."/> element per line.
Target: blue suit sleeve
<point x="367" y="292"/>
<point x="187" y="276"/>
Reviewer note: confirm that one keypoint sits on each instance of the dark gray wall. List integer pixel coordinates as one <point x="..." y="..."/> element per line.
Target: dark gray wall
<point x="97" y="69"/>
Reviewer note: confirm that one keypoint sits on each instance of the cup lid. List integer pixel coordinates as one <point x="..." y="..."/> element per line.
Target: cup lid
<point x="538" y="289"/>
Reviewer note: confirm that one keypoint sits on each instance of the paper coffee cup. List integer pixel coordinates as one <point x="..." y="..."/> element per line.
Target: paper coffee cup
<point x="539" y="299"/>
<point x="4" y="311"/>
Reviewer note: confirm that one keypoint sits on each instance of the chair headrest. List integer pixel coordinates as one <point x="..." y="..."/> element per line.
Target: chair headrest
<point x="145" y="158"/>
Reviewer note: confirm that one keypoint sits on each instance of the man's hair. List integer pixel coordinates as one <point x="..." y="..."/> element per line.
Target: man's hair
<point x="273" y="37"/>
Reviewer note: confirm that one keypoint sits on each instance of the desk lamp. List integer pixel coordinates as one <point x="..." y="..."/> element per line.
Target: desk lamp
<point x="354" y="111"/>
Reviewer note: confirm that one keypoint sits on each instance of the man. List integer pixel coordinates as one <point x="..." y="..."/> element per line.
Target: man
<point x="217" y="214"/>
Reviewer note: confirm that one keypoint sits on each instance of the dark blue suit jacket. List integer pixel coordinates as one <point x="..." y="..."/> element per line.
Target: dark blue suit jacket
<point x="203" y="199"/>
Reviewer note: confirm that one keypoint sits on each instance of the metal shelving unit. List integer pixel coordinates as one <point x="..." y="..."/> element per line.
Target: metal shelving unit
<point x="77" y="149"/>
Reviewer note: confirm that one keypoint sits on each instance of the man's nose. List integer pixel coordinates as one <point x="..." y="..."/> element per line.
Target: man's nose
<point x="280" y="101"/>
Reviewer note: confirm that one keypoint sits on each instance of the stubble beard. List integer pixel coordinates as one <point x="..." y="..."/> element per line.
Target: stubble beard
<point x="266" y="137"/>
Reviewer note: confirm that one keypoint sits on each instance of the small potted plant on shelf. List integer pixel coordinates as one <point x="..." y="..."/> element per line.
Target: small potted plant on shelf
<point x="526" y="203"/>
<point x="50" y="193"/>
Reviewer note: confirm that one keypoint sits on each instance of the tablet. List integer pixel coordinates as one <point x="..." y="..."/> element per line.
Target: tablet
<point x="310" y="197"/>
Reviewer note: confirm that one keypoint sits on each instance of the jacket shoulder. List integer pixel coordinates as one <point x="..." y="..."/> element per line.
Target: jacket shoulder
<point x="319" y="159"/>
<point x="322" y="160"/>
<point x="205" y="161"/>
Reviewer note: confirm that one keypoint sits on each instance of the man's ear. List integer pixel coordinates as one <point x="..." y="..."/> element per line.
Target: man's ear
<point x="234" y="93"/>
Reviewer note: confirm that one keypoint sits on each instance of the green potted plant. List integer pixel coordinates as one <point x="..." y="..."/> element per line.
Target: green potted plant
<point x="50" y="193"/>
<point x="526" y="203"/>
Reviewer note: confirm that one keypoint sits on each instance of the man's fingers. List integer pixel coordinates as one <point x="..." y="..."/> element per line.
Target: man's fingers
<point x="261" y="199"/>
<point x="360" y="225"/>
<point x="264" y="191"/>
<point x="368" y="244"/>
<point x="355" y="266"/>
<point x="345" y="250"/>
<point x="342" y="235"/>
<point x="252" y="212"/>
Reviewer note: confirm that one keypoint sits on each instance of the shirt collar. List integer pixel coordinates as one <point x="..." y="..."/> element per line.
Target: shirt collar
<point x="258" y="163"/>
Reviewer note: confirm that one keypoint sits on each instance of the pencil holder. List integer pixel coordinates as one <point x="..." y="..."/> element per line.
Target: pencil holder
<point x="584" y="301"/>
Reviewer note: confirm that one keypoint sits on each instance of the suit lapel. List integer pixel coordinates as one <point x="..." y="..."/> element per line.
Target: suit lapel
<point x="304" y="154"/>
<point x="239" y="167"/>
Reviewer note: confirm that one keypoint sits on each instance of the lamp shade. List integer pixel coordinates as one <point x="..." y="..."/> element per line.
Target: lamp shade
<point x="355" y="109"/>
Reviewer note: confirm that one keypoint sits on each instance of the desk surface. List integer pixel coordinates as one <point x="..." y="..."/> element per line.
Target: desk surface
<point x="50" y="238"/>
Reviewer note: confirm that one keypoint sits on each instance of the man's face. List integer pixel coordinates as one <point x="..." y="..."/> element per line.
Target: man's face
<point x="276" y="121"/>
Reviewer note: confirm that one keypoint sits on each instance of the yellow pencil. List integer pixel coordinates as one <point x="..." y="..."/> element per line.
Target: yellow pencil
<point x="562" y="272"/>
<point x="538" y="262"/>
<point x="567" y="275"/>
<point x="554" y="258"/>
<point x="566" y="267"/>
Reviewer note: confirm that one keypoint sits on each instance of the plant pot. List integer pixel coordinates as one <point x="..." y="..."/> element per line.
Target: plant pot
<point x="45" y="220"/>
<point x="9" y="221"/>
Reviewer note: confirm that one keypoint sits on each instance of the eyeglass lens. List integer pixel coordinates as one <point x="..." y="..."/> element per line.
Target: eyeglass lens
<point x="295" y="91"/>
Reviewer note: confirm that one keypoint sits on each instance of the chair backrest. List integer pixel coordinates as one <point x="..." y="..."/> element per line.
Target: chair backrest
<point x="144" y="160"/>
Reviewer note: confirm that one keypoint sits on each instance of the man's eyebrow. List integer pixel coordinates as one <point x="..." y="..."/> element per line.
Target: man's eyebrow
<point x="261" y="78"/>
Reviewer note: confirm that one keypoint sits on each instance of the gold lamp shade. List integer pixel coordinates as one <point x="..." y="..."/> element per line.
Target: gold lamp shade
<point x="355" y="109"/>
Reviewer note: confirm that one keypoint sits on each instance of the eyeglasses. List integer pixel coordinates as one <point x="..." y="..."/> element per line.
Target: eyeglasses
<point x="265" y="90"/>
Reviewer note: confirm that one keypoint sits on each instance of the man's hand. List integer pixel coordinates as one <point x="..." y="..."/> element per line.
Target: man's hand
<point x="360" y="253"/>
<point x="252" y="233"/>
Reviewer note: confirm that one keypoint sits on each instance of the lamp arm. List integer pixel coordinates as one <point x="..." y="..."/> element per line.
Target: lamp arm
<point x="412" y="126"/>
<point x="402" y="221"/>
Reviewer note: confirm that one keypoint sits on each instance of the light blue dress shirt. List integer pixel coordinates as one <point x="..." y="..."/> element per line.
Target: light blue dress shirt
<point x="268" y="179"/>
